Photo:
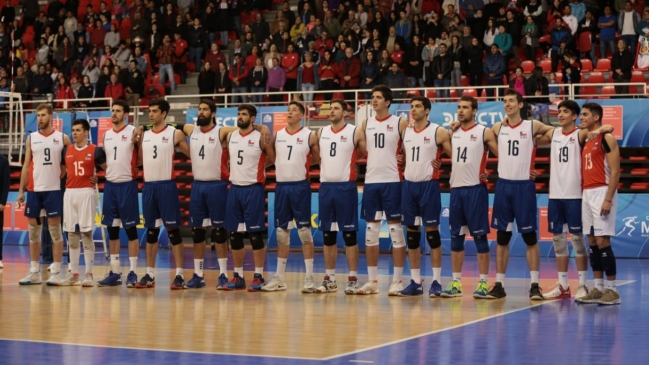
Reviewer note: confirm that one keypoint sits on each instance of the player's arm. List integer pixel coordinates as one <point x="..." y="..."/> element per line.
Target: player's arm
<point x="181" y="142"/>
<point x="491" y="141"/>
<point x="546" y="138"/>
<point x="540" y="128"/>
<point x="100" y="158"/>
<point x="609" y="143"/>
<point x="25" y="171"/>
<point x="586" y="135"/>
<point x="269" y="150"/>
<point x="444" y="141"/>
<point x="360" y="143"/>
<point x="315" y="149"/>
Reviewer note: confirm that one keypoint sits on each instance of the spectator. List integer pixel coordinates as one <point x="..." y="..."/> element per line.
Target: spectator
<point x="282" y="42"/>
<point x="504" y="41"/>
<point x="434" y="29"/>
<point x="627" y="21"/>
<point x="466" y="37"/>
<point x="268" y="58"/>
<point x="559" y="35"/>
<point x="86" y="91"/>
<point x="70" y="26"/>
<point x="21" y="81"/>
<point x="102" y="83"/>
<point x="514" y="29"/>
<point x="260" y="28"/>
<point x="392" y="39"/>
<point x="183" y="28"/>
<point x="290" y="63"/>
<point x="31" y="9"/>
<point x="490" y="33"/>
<point x="41" y="82"/>
<point x="441" y="69"/>
<point x="418" y="26"/>
<point x="63" y="56"/>
<point x="606" y="25"/>
<point x="587" y="31"/>
<point x="134" y="84"/>
<point x="520" y="84"/>
<point x="369" y="74"/>
<point x="621" y="67"/>
<point x="578" y="9"/>
<point x="214" y="57"/>
<point x="64" y="92"/>
<point x="471" y="6"/>
<point x="324" y="43"/>
<point x="569" y="20"/>
<point x="180" y="57"/>
<point x="302" y="42"/>
<point x="223" y="21"/>
<point x="539" y="102"/>
<point x="474" y="57"/>
<point x="414" y="66"/>
<point x="140" y="27"/>
<point x="361" y="16"/>
<point x="307" y="79"/>
<point x="258" y="79"/>
<point x="239" y="77"/>
<point x="92" y="72"/>
<point x="494" y="67"/>
<point x="531" y="38"/>
<point x="122" y="55"/>
<point x="349" y="74"/>
<point x="380" y="24"/>
<point x="207" y="79"/>
<point x="450" y="17"/>
<point x="457" y="54"/>
<point x="535" y="10"/>
<point x="571" y="70"/>
<point x="328" y="71"/>
<point x="112" y="38"/>
<point x="195" y="40"/>
<point x="395" y="79"/>
<point x="107" y="56"/>
<point x="643" y="27"/>
<point x="115" y="89"/>
<point x="81" y="50"/>
<point x="384" y="63"/>
<point x="397" y="55"/>
<point x="403" y="27"/>
<point x="290" y="15"/>
<point x="276" y="81"/>
<point x="165" y="58"/>
<point x="223" y="84"/>
<point x="297" y="29"/>
<point x="252" y="57"/>
<point x="142" y="63"/>
<point x="428" y="55"/>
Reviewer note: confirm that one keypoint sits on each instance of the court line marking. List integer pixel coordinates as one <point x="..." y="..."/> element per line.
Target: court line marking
<point x="450" y="328"/>
<point x="362" y="361"/>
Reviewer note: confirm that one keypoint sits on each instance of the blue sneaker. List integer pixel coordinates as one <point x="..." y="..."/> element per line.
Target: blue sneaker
<point x="435" y="289"/>
<point x="236" y="283"/>
<point x="112" y="279"/>
<point x="223" y="282"/>
<point x="257" y="283"/>
<point x="196" y="282"/>
<point x="454" y="289"/>
<point x="131" y="280"/>
<point x="481" y="291"/>
<point x="412" y="289"/>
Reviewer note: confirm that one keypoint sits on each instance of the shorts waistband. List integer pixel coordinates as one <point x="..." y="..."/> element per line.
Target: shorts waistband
<point x="518" y="182"/>
<point x="120" y="183"/>
<point x="213" y="182"/>
<point x="162" y="182"/>
<point x="290" y="183"/>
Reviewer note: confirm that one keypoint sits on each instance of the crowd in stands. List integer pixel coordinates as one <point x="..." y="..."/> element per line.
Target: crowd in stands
<point x="116" y="48"/>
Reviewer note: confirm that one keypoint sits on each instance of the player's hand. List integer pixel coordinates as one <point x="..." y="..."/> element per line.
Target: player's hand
<point x="266" y="137"/>
<point x="484" y="176"/>
<point x="94" y="179"/>
<point x="137" y="135"/>
<point x="2" y="208"/>
<point x="436" y="164"/>
<point x="533" y="174"/>
<point x="20" y="200"/>
<point x="606" y="208"/>
<point x="455" y="125"/>
<point x="400" y="159"/>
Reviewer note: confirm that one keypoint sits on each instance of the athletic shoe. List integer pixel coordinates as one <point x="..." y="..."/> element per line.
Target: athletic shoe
<point x="496" y="292"/>
<point x="236" y="283"/>
<point x="535" y="292"/>
<point x="481" y="291"/>
<point x="111" y="279"/>
<point x="309" y="285"/>
<point x="454" y="289"/>
<point x="88" y="281"/>
<point x="196" y="282"/>
<point x="71" y="280"/>
<point x="222" y="284"/>
<point x="582" y="291"/>
<point x="395" y="287"/>
<point x="352" y="285"/>
<point x="275" y="284"/>
<point x="328" y="286"/>
<point x="178" y="283"/>
<point x="592" y="297"/>
<point x="146" y="282"/>
<point x="413" y="289"/>
<point x="257" y="283"/>
<point x="131" y="279"/>
<point x="610" y="297"/>
<point x="559" y="292"/>
<point x="1" y="265"/>
<point x="435" y="289"/>
<point x="32" y="278"/>
<point x="54" y="279"/>
<point x="371" y="287"/>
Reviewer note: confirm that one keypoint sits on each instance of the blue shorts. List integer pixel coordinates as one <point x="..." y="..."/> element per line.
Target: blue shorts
<point x="51" y="201"/>
<point x="207" y="203"/>
<point x="246" y="209"/>
<point x="338" y="202"/>
<point x="293" y="202"/>
<point x="160" y="204"/>
<point x="562" y="213"/>
<point x="421" y="203"/>
<point x="120" y="205"/>
<point x="382" y="198"/>
<point x="515" y="200"/>
<point x="469" y="211"/>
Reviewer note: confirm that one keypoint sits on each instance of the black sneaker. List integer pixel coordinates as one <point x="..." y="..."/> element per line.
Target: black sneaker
<point x="496" y="292"/>
<point x="178" y="284"/>
<point x="535" y="292"/>
<point x="146" y="282"/>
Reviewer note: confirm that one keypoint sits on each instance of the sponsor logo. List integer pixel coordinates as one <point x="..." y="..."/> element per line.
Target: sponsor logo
<point x="556" y="141"/>
<point x="631" y="226"/>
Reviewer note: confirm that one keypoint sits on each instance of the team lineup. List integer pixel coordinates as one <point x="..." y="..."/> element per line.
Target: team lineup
<point x="401" y="186"/>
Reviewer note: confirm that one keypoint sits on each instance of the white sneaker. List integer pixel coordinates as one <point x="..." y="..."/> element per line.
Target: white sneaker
<point x="309" y="285"/>
<point x="558" y="292"/>
<point x="276" y="284"/>
<point x="371" y="287"/>
<point x="328" y="286"/>
<point x="54" y="280"/>
<point x="1" y="265"/>
<point x="71" y="280"/>
<point x="395" y="288"/>
<point x="582" y="291"/>
<point x="32" y="278"/>
<point x="88" y="281"/>
<point x="352" y="286"/>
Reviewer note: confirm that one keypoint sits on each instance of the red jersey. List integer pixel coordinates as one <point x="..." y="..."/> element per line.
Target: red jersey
<point x="595" y="171"/>
<point x="81" y="164"/>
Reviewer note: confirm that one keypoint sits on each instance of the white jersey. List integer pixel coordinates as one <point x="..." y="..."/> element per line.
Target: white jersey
<point x="469" y="157"/>
<point x="45" y="168"/>
<point x="293" y="155"/>
<point x="383" y="145"/>
<point x="338" y="154"/>
<point x="209" y="161"/>
<point x="121" y="155"/>
<point x="516" y="151"/>
<point x="565" y="165"/>
<point x="158" y="151"/>
<point x="247" y="160"/>
<point x="421" y="150"/>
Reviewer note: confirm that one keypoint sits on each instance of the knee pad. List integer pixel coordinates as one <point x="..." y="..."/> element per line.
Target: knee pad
<point x="530" y="238"/>
<point x="413" y="239"/>
<point x="503" y="238"/>
<point x="457" y="243"/>
<point x="560" y="244"/>
<point x="113" y="233"/>
<point x="372" y="234"/>
<point x="219" y="235"/>
<point x="152" y="235"/>
<point x="55" y="232"/>
<point x="73" y="240"/>
<point x="596" y="259"/>
<point x="86" y="239"/>
<point x="283" y="236"/>
<point x="256" y="241"/>
<point x="396" y="234"/>
<point x="35" y="233"/>
<point x="350" y="239"/>
<point x="174" y="237"/>
<point x="481" y="243"/>
<point x="434" y="240"/>
<point x="305" y="234"/>
<point x="236" y="240"/>
<point x="578" y="245"/>
<point x="198" y="235"/>
<point x="329" y="238"/>
<point x="608" y="261"/>
<point x="131" y="233"/>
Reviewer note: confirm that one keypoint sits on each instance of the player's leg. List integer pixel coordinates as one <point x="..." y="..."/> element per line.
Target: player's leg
<point x="87" y="208"/>
<point x="234" y="223"/>
<point x="411" y="218"/>
<point x="283" y="223"/>
<point x="198" y="220"/>
<point x="71" y="214"/>
<point x="458" y="229"/>
<point x="503" y="221"/>
<point x="372" y="212"/>
<point x="129" y="213"/>
<point x="329" y="210"/>
<point x="430" y="206"/>
<point x="111" y="219"/>
<point x="254" y="221"/>
<point x="391" y="200"/>
<point x="346" y="203"/>
<point x="217" y="208"/>
<point x="558" y="226"/>
<point x="525" y="213"/>
<point x="152" y="222"/>
<point x="604" y="229"/>
<point x="53" y="204"/>
<point x="573" y="214"/>
<point x="169" y="206"/>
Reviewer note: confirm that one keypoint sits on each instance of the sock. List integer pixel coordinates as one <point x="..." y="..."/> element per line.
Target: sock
<point x="198" y="267"/>
<point x="281" y="267"/>
<point x="114" y="264"/>
<point x="75" y="254"/>
<point x="259" y="270"/>
<point x="223" y="267"/>
<point x="535" y="277"/>
<point x="332" y="276"/>
<point x="56" y="267"/>
<point x="179" y="271"/>
<point x="457" y="276"/>
<point x="437" y="274"/>
<point x="484" y="277"/>
<point x="416" y="275"/>
<point x="610" y="284"/>
<point x="239" y="270"/>
<point x="133" y="262"/>
<point x="308" y="265"/>
<point x="563" y="279"/>
<point x="373" y="273"/>
<point x="599" y="284"/>
<point x="150" y="271"/>
<point x="34" y="266"/>
<point x="89" y="257"/>
<point x="353" y="273"/>
<point x="398" y="273"/>
<point x="330" y="272"/>
<point x="500" y="278"/>
<point x="582" y="277"/>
